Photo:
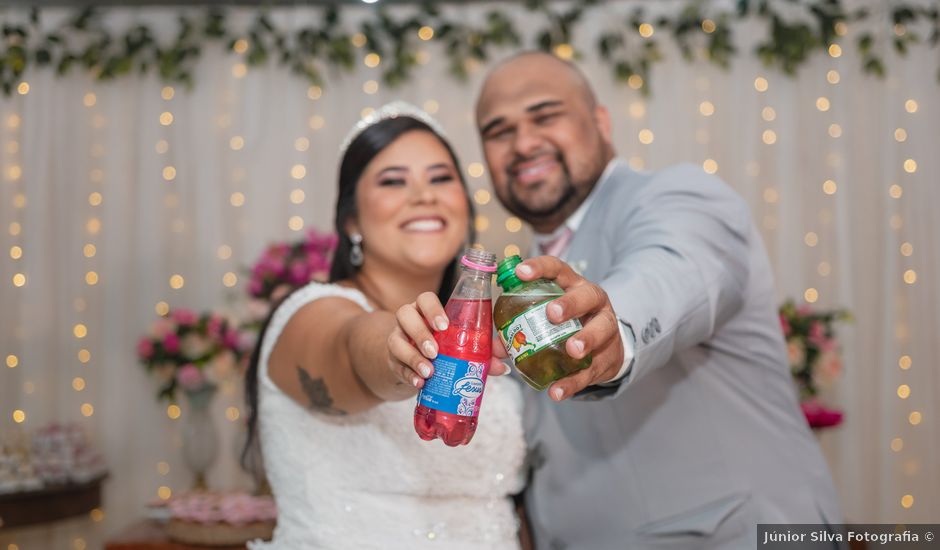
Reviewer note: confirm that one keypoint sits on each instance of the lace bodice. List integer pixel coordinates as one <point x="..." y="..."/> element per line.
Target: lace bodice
<point x="367" y="481"/>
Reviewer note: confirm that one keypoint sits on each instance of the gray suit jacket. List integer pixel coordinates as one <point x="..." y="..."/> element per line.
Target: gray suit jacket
<point x="704" y="437"/>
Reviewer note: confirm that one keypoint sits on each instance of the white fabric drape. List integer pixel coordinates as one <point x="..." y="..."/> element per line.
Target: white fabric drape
<point x="234" y="141"/>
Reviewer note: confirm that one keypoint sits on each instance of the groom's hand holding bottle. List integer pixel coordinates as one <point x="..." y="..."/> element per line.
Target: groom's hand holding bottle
<point x="600" y="335"/>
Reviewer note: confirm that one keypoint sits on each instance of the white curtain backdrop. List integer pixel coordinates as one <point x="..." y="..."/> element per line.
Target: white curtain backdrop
<point x="83" y="163"/>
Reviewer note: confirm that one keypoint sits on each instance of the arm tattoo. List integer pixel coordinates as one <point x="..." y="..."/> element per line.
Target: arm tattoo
<point x="319" y="395"/>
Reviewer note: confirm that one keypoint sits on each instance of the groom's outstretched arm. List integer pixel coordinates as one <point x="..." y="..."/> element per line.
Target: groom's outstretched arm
<point x="681" y="266"/>
<point x="680" y="248"/>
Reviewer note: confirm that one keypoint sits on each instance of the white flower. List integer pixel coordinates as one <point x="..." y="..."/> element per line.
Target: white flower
<point x="194" y="345"/>
<point x="221" y="368"/>
<point x="826" y="369"/>
<point x="796" y="353"/>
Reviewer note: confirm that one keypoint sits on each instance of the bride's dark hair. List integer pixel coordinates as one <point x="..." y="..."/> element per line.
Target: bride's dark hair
<point x="369" y="143"/>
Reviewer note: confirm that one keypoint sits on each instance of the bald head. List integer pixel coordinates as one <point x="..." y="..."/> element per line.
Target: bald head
<point x="545" y="138"/>
<point x="530" y="63"/>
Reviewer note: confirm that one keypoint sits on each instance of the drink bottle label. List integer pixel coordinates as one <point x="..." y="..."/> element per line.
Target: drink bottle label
<point x="456" y="387"/>
<point x="530" y="332"/>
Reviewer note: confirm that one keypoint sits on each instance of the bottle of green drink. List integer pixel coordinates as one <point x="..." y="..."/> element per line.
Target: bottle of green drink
<point x="536" y="346"/>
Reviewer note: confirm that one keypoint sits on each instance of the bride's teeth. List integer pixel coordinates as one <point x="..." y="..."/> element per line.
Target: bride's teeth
<point x="424" y="225"/>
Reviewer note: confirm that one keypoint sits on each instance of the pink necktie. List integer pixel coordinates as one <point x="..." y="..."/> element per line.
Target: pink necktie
<point x="557" y="246"/>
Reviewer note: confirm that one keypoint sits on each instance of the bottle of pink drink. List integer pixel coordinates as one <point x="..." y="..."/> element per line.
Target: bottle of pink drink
<point x="449" y="402"/>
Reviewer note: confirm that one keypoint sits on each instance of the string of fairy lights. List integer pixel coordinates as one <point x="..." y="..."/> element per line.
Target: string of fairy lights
<point x="13" y="174"/>
<point x="237" y="143"/>
<point x="637" y="109"/>
<point x="908" y="167"/>
<point x="87" y="298"/>
<point x="171" y="203"/>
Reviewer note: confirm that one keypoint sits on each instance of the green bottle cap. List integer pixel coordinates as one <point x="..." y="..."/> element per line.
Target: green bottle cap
<point x="506" y="272"/>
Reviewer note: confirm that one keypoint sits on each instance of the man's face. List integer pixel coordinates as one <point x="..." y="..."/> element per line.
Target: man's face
<point x="545" y="142"/>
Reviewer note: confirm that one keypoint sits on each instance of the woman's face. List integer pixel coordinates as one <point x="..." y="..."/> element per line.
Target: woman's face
<point x="412" y="210"/>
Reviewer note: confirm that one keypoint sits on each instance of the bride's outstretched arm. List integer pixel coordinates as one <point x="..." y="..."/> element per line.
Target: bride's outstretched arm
<point x="333" y="358"/>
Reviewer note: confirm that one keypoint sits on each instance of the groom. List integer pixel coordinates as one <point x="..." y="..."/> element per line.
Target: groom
<point x="685" y="431"/>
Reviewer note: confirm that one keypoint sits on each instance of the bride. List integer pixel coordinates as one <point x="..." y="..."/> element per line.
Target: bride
<point x="332" y="409"/>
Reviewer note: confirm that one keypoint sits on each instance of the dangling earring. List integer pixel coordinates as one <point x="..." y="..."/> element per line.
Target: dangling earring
<point x="355" y="254"/>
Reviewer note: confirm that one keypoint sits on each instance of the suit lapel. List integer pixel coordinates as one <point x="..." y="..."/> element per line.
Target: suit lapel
<point x="589" y="255"/>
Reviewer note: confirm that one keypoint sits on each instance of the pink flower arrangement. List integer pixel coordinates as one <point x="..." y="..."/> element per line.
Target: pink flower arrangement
<point x="283" y="267"/>
<point x="230" y="508"/>
<point x="191" y="351"/>
<point x="818" y="415"/>
<point x="813" y="352"/>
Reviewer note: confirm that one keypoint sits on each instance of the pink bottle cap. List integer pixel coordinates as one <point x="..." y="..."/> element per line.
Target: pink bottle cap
<point x="479" y="267"/>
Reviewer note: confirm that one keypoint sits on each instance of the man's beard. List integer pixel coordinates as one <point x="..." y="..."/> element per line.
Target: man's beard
<point x="534" y="214"/>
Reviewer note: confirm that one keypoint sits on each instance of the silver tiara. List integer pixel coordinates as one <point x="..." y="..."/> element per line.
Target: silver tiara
<point x="394" y="109"/>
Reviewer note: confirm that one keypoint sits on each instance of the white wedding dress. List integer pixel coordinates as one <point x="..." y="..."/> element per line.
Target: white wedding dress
<point x="367" y="481"/>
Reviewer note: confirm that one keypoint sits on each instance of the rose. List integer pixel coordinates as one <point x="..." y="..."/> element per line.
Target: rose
<point x="145" y="348"/>
<point x="796" y="352"/>
<point x="185" y="317"/>
<point x="161" y="327"/>
<point x="817" y="334"/>
<point x="272" y="261"/>
<point x="214" y="326"/>
<point x="785" y="325"/>
<point x="297" y="273"/>
<point x="171" y="343"/>
<point x="818" y="416"/>
<point x="231" y="339"/>
<point x="270" y="266"/>
<point x="190" y="377"/>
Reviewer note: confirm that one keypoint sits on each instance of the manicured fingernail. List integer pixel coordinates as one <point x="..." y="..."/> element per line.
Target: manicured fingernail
<point x="555" y="310"/>
<point x="425" y="369"/>
<point x="557" y="394"/>
<point x="440" y="322"/>
<point x="578" y="346"/>
<point x="523" y="270"/>
<point x="416" y="382"/>
<point x="429" y="349"/>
